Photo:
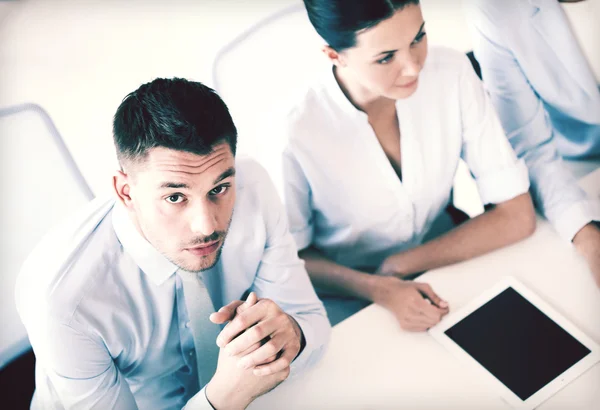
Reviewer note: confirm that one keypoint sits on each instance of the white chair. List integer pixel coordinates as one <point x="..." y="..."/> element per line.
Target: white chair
<point x="41" y="184"/>
<point x="252" y="73"/>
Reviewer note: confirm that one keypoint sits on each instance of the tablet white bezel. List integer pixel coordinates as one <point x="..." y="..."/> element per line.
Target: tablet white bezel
<point x="551" y="388"/>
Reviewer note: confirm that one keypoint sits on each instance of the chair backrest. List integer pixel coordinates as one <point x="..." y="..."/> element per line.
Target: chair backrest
<point x="252" y="73"/>
<point x="41" y="185"/>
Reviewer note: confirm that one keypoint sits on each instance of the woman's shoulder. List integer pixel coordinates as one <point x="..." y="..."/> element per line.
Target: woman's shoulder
<point x="445" y="60"/>
<point x="309" y="104"/>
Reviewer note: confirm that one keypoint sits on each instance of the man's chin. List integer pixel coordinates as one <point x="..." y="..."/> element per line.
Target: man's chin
<point x="203" y="264"/>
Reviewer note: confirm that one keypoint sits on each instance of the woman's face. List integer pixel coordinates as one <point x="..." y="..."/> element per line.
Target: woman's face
<point x="388" y="57"/>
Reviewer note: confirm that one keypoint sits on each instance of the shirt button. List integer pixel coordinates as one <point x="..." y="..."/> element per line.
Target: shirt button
<point x="187" y="324"/>
<point x="191" y="352"/>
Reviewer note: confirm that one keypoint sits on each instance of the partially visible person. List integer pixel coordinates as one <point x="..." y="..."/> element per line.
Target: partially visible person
<point x="371" y="153"/>
<point x="549" y="104"/>
<point x="117" y="301"/>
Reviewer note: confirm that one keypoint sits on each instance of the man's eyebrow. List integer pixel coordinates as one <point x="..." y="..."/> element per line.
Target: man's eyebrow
<point x="228" y="173"/>
<point x="393" y="51"/>
<point x="174" y="185"/>
<point x="177" y="185"/>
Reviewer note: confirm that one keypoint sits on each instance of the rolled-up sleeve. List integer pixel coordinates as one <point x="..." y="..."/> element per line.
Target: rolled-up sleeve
<point x="499" y="175"/>
<point x="525" y="120"/>
<point x="297" y="198"/>
<point x="282" y="278"/>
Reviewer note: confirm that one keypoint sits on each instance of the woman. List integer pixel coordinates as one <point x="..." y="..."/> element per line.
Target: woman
<point x="372" y="150"/>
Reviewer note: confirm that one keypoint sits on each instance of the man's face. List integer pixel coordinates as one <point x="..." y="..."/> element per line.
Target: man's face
<point x="182" y="203"/>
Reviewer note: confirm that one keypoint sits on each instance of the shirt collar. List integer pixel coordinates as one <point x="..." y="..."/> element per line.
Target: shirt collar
<point x="150" y="261"/>
<point x="337" y="95"/>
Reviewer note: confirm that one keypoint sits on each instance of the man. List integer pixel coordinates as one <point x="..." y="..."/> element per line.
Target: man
<point x="117" y="301"/>
<point x="549" y="105"/>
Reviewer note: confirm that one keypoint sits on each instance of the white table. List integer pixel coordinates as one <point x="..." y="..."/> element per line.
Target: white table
<point x="373" y="364"/>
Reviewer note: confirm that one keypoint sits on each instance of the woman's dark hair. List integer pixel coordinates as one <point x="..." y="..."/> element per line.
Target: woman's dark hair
<point x="338" y="21"/>
<point x="172" y="113"/>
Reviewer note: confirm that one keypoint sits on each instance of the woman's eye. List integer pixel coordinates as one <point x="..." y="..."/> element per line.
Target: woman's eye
<point x="419" y="38"/>
<point x="175" y="199"/>
<point x="219" y="190"/>
<point x="386" y="59"/>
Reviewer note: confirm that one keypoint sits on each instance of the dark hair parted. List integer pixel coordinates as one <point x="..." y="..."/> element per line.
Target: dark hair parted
<point x="338" y="21"/>
<point x="172" y="113"/>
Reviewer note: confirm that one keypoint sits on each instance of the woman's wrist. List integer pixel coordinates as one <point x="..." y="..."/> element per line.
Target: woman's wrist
<point x="587" y="235"/>
<point x="392" y="266"/>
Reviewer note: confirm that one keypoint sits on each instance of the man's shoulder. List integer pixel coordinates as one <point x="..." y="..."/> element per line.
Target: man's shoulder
<point x="64" y="266"/>
<point x="256" y="193"/>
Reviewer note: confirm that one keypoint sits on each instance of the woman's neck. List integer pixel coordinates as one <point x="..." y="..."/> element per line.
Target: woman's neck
<point x="359" y="96"/>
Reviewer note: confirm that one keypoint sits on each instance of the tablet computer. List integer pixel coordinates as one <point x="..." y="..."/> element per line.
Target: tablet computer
<point x="517" y="344"/>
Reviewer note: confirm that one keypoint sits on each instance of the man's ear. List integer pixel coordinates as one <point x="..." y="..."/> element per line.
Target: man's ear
<point x="335" y="57"/>
<point x="121" y="185"/>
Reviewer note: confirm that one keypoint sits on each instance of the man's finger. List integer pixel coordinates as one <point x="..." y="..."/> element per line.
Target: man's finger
<point x="425" y="289"/>
<point x="269" y="360"/>
<point x="262" y="330"/>
<point x="251" y="349"/>
<point x="278" y="365"/>
<point x="270" y="348"/>
<point x="241" y="322"/>
<point x="226" y="313"/>
<point x="250" y="301"/>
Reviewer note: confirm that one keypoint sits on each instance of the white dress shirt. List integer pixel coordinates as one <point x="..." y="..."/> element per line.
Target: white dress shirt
<point x="341" y="192"/>
<point x="546" y="97"/>
<point x="105" y="314"/>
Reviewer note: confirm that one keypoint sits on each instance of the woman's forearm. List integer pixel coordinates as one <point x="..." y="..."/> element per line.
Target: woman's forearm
<point x="504" y="224"/>
<point x="331" y="277"/>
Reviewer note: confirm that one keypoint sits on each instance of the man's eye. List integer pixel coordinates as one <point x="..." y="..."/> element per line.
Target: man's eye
<point x="175" y="199"/>
<point x="219" y="190"/>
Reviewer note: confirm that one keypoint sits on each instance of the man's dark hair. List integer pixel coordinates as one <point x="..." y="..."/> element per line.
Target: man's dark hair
<point x="338" y="21"/>
<point x="171" y="113"/>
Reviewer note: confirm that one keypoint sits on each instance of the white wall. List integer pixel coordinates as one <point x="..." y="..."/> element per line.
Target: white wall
<point x="79" y="58"/>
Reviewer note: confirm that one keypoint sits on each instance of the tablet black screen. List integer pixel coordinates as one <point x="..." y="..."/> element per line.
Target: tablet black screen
<point x="517" y="343"/>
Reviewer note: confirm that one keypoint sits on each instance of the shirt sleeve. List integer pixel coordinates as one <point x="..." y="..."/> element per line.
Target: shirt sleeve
<point x="80" y="368"/>
<point x="298" y="202"/>
<point x="199" y="402"/>
<point x="499" y="175"/>
<point x="282" y="278"/>
<point x="522" y="114"/>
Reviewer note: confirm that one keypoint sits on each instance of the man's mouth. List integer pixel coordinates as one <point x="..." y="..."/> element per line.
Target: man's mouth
<point x="204" y="249"/>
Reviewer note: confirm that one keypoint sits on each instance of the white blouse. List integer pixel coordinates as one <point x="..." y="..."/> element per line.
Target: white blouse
<point x="343" y="196"/>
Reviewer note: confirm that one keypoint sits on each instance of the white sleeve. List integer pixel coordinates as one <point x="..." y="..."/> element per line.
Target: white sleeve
<point x="298" y="203"/>
<point x="499" y="175"/>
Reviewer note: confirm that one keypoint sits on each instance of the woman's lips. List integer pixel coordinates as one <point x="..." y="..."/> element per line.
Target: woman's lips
<point x="409" y="85"/>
